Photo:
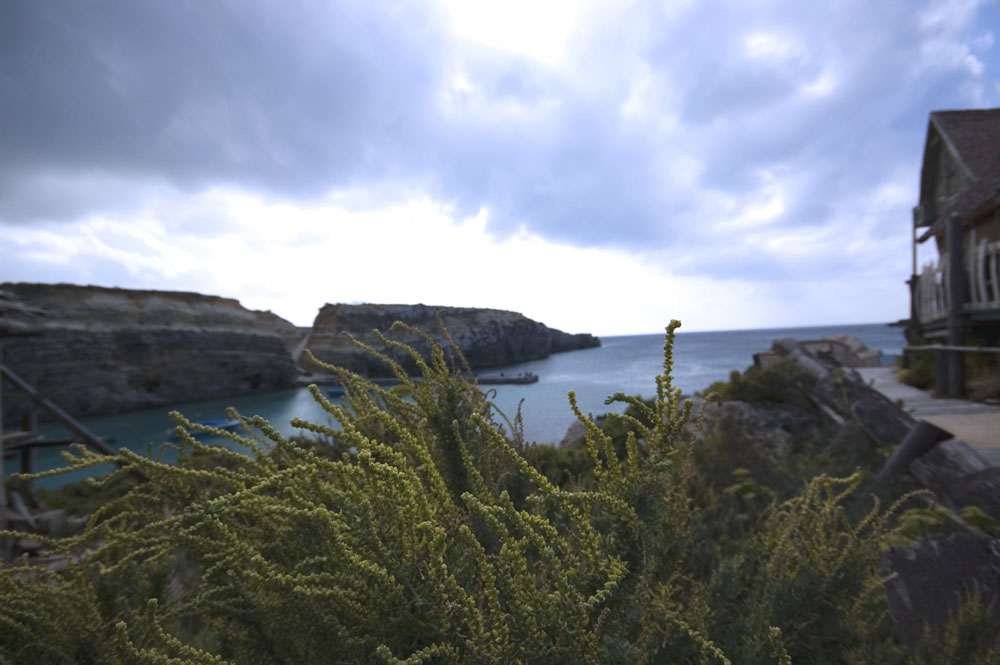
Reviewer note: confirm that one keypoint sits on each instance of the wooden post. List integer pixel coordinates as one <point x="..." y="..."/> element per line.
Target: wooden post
<point x="27" y="461"/>
<point x="29" y="423"/>
<point x="956" y="300"/>
<point x="940" y="373"/>
<point x="913" y="327"/>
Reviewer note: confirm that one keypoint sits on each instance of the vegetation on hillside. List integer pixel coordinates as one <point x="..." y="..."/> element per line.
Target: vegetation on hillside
<point x="422" y="531"/>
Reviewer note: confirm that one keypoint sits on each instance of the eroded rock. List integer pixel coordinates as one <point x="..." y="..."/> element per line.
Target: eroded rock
<point x="486" y="337"/>
<point x="932" y="578"/>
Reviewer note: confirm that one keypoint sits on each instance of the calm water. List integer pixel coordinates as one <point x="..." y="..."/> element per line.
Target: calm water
<point x="627" y="363"/>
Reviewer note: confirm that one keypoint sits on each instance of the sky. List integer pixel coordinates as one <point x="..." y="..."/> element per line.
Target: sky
<point x="598" y="166"/>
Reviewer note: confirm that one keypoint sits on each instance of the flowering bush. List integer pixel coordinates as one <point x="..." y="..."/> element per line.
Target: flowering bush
<point x="431" y="538"/>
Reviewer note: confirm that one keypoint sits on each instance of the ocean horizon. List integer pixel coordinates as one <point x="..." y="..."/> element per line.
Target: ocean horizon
<point x="623" y="363"/>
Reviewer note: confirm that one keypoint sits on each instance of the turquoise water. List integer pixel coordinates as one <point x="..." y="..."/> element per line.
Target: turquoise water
<point x="626" y="363"/>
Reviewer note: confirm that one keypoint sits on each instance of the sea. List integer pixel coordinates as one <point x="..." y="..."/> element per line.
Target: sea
<point x="626" y="364"/>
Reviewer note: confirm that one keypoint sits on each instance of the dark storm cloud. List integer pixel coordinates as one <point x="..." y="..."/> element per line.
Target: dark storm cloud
<point x="285" y="97"/>
<point x="103" y="99"/>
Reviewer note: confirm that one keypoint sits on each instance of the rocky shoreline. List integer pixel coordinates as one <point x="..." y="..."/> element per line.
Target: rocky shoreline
<point x="98" y="351"/>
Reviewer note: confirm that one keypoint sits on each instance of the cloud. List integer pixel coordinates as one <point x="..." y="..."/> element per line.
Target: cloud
<point x="735" y="139"/>
<point x="292" y="259"/>
<point x="286" y="98"/>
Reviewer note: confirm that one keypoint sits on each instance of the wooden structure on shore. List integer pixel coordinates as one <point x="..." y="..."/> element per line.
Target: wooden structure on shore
<point x="958" y="296"/>
<point x="25" y="441"/>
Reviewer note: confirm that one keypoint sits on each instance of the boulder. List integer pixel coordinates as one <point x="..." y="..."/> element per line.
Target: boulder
<point x="832" y="350"/>
<point x="959" y="476"/>
<point x="931" y="579"/>
<point x="842" y="393"/>
<point x="575" y="435"/>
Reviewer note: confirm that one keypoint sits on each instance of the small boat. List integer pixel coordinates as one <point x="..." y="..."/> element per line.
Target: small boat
<point x="501" y="378"/>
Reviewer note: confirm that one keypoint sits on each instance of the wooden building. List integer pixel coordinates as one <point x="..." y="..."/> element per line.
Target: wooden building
<point x="960" y="189"/>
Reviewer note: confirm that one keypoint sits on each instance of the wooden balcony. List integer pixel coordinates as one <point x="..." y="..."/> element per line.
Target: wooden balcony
<point x="982" y="271"/>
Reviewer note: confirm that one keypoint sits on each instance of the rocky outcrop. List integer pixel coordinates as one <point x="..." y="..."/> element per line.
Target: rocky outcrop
<point x="838" y="350"/>
<point x="101" y="350"/>
<point x="928" y="582"/>
<point x="562" y="341"/>
<point x="486" y="337"/>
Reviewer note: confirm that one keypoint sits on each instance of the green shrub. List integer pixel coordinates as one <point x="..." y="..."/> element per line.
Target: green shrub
<point x="920" y="370"/>
<point x="439" y="540"/>
<point x="783" y="382"/>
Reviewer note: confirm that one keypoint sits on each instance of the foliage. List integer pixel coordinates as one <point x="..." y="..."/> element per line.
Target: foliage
<point x="920" y="370"/>
<point x="969" y="637"/>
<point x="980" y="369"/>
<point x="417" y="532"/>
<point x="782" y="381"/>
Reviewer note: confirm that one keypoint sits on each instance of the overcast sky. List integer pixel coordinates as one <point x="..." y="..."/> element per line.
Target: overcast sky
<point x="599" y="166"/>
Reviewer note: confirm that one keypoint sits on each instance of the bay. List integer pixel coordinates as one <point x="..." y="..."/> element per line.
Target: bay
<point x="622" y="363"/>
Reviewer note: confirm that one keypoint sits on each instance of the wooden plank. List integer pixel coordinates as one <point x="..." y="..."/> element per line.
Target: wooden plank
<point x="951" y="347"/>
<point x="957" y="298"/>
<point x="71" y="423"/>
<point x="922" y="313"/>
<point x="937" y="296"/>
<point x="977" y="299"/>
<point x="921" y="438"/>
<point x="995" y="274"/>
<point x="15" y="436"/>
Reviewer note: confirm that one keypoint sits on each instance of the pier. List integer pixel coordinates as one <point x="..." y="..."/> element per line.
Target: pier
<point x="975" y="423"/>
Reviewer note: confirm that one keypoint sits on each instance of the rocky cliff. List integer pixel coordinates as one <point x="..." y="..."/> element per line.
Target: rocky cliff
<point x="486" y="337"/>
<point x="101" y="350"/>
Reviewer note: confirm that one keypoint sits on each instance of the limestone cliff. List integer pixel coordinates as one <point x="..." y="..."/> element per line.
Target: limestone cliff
<point x="102" y="350"/>
<point x="486" y="337"/>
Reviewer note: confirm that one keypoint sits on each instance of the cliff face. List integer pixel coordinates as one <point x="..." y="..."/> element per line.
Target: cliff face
<point x="103" y="350"/>
<point x="487" y="337"/>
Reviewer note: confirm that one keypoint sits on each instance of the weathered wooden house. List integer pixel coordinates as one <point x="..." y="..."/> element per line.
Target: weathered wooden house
<point x="959" y="186"/>
<point x="955" y="300"/>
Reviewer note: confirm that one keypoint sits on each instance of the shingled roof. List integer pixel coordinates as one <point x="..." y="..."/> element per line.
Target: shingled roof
<point x="973" y="137"/>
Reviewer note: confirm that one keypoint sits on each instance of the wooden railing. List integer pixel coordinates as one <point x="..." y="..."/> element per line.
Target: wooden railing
<point x="931" y="294"/>
<point x="982" y="269"/>
<point x="984" y="277"/>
